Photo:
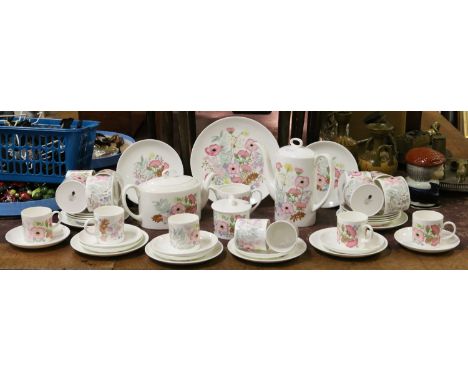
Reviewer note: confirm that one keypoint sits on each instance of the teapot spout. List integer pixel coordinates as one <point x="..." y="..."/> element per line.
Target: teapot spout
<point x="268" y="172"/>
<point x="205" y="189"/>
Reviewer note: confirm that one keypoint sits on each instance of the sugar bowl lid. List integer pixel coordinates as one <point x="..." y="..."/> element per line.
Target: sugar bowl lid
<point x="231" y="205"/>
<point x="424" y="157"/>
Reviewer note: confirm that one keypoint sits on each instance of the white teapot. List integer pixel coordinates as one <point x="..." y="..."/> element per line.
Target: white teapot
<point x="159" y="198"/>
<point x="293" y="183"/>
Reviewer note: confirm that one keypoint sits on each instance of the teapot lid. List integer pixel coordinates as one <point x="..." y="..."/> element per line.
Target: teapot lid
<point x="168" y="183"/>
<point x="231" y="205"/>
<point x="296" y="149"/>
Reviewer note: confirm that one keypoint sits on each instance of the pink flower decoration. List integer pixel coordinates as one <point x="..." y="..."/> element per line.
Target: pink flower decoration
<point x="287" y="208"/>
<point x="302" y="181"/>
<point x="435" y="228"/>
<point x="165" y="165"/>
<point x="38" y="233"/>
<point x="154" y="163"/>
<point x="221" y="226"/>
<point x="213" y="150"/>
<point x="251" y="145"/>
<point x="191" y="209"/>
<point x="248" y="247"/>
<point x="301" y="205"/>
<point x="337" y="176"/>
<point x="294" y="191"/>
<point x="298" y="170"/>
<point x="418" y="235"/>
<point x="435" y="241"/>
<point x="350" y="230"/>
<point x="233" y="168"/>
<point x="352" y="243"/>
<point x="322" y="182"/>
<point x="236" y="179"/>
<point x="279" y="166"/>
<point x="243" y="153"/>
<point x="177" y="208"/>
<point x="194" y="235"/>
<point x="230" y="130"/>
<point x="246" y="168"/>
<point x="192" y="198"/>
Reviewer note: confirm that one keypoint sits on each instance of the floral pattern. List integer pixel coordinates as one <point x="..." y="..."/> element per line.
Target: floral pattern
<point x="99" y="191"/>
<point x="427" y="234"/>
<point x="347" y="234"/>
<point x="323" y="174"/>
<point x="184" y="236"/>
<point x="79" y="175"/>
<point x="39" y="231"/>
<point x="111" y="229"/>
<point x="251" y="234"/>
<point x="292" y="192"/>
<point x="166" y="207"/>
<point x="149" y="167"/>
<point x="396" y="193"/>
<point x="234" y="158"/>
<point x="224" y="224"/>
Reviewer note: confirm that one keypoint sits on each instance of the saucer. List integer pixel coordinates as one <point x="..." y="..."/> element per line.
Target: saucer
<point x="399" y="221"/>
<point x="328" y="239"/>
<point x="15" y="237"/>
<point x="268" y="254"/>
<point x="68" y="220"/>
<point x="404" y="237"/>
<point x="297" y="251"/>
<point x="131" y="236"/>
<point x="314" y="240"/>
<point x="77" y="246"/>
<point x="208" y="255"/>
<point x="162" y="245"/>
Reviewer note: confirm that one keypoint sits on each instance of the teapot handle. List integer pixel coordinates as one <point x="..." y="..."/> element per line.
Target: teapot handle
<point x="316" y="206"/>
<point x="124" y="201"/>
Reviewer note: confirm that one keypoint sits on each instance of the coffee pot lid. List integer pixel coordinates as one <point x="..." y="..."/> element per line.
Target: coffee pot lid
<point x="296" y="149"/>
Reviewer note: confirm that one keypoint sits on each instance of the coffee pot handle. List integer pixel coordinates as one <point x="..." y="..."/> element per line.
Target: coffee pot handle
<point x="124" y="201"/>
<point x="317" y="205"/>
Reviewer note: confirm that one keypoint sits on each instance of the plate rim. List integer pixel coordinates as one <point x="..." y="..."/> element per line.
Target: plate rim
<point x="199" y="260"/>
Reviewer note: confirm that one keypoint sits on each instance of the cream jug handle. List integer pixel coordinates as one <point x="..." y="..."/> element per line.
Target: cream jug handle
<point x="317" y="205"/>
<point x="124" y="201"/>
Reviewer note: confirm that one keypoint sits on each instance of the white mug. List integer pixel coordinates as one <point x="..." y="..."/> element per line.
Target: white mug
<point x="184" y="230"/>
<point x="37" y="224"/>
<point x="353" y="230"/>
<point x="108" y="224"/>
<point x="427" y="228"/>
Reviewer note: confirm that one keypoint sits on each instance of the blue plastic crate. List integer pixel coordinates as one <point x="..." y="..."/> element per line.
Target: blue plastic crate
<point x="45" y="152"/>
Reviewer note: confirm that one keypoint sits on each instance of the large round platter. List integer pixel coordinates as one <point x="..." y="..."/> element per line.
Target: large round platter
<point x="145" y="160"/>
<point x="228" y="147"/>
<point x="343" y="160"/>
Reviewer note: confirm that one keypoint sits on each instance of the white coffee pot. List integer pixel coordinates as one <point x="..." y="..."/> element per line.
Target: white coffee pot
<point x="159" y="198"/>
<point x="292" y="182"/>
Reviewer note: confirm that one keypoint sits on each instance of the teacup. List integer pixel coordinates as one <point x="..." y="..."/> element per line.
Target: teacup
<point x="238" y="191"/>
<point x="396" y="193"/>
<point x="108" y="224"/>
<point x="353" y="231"/>
<point x="37" y="224"/>
<point x="250" y="234"/>
<point x="427" y="228"/>
<point x="102" y="189"/>
<point x="281" y="236"/>
<point x="350" y="182"/>
<point x="184" y="231"/>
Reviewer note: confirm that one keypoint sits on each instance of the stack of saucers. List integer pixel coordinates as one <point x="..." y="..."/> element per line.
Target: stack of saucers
<point x="161" y="249"/>
<point x="134" y="238"/>
<point x="78" y="219"/>
<point x="380" y="220"/>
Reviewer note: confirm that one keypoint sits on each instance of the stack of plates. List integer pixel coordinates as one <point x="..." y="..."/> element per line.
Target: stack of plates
<point x="382" y="221"/>
<point x="78" y="220"/>
<point x="160" y="249"/>
<point x="268" y="256"/>
<point x="134" y="238"/>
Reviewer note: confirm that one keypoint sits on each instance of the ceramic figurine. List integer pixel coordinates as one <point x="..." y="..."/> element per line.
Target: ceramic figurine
<point x="425" y="167"/>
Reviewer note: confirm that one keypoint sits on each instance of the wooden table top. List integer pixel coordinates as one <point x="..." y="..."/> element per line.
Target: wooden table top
<point x="453" y="206"/>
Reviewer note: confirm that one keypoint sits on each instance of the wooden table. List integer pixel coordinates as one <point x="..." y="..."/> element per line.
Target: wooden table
<point x="453" y="206"/>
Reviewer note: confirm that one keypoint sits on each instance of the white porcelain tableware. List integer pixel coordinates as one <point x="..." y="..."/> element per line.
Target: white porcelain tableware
<point x="102" y="189"/>
<point x="184" y="231"/>
<point x="38" y="226"/>
<point x="297" y="251"/>
<point x="396" y="193"/>
<point x="71" y="193"/>
<point x="427" y="227"/>
<point x="162" y="244"/>
<point x="315" y="241"/>
<point x="342" y="160"/>
<point x="281" y="236"/>
<point x="210" y="254"/>
<point x="108" y="224"/>
<point x="225" y="214"/>
<point x="293" y="183"/>
<point x="162" y="197"/>
<point x="250" y="234"/>
<point x="353" y="230"/>
<point x="329" y="241"/>
<point x="132" y="235"/>
<point x="238" y="190"/>
<point x="229" y="148"/>
<point x="145" y="160"/>
<point x="77" y="246"/>
<point x="16" y="237"/>
<point x="449" y="241"/>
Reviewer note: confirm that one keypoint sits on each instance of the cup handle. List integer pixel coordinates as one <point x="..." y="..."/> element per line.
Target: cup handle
<point x="124" y="201"/>
<point x="254" y="206"/>
<point x="85" y="227"/>
<point x="211" y="188"/>
<point x="59" y="219"/>
<point x="452" y="234"/>
<point x="368" y="233"/>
